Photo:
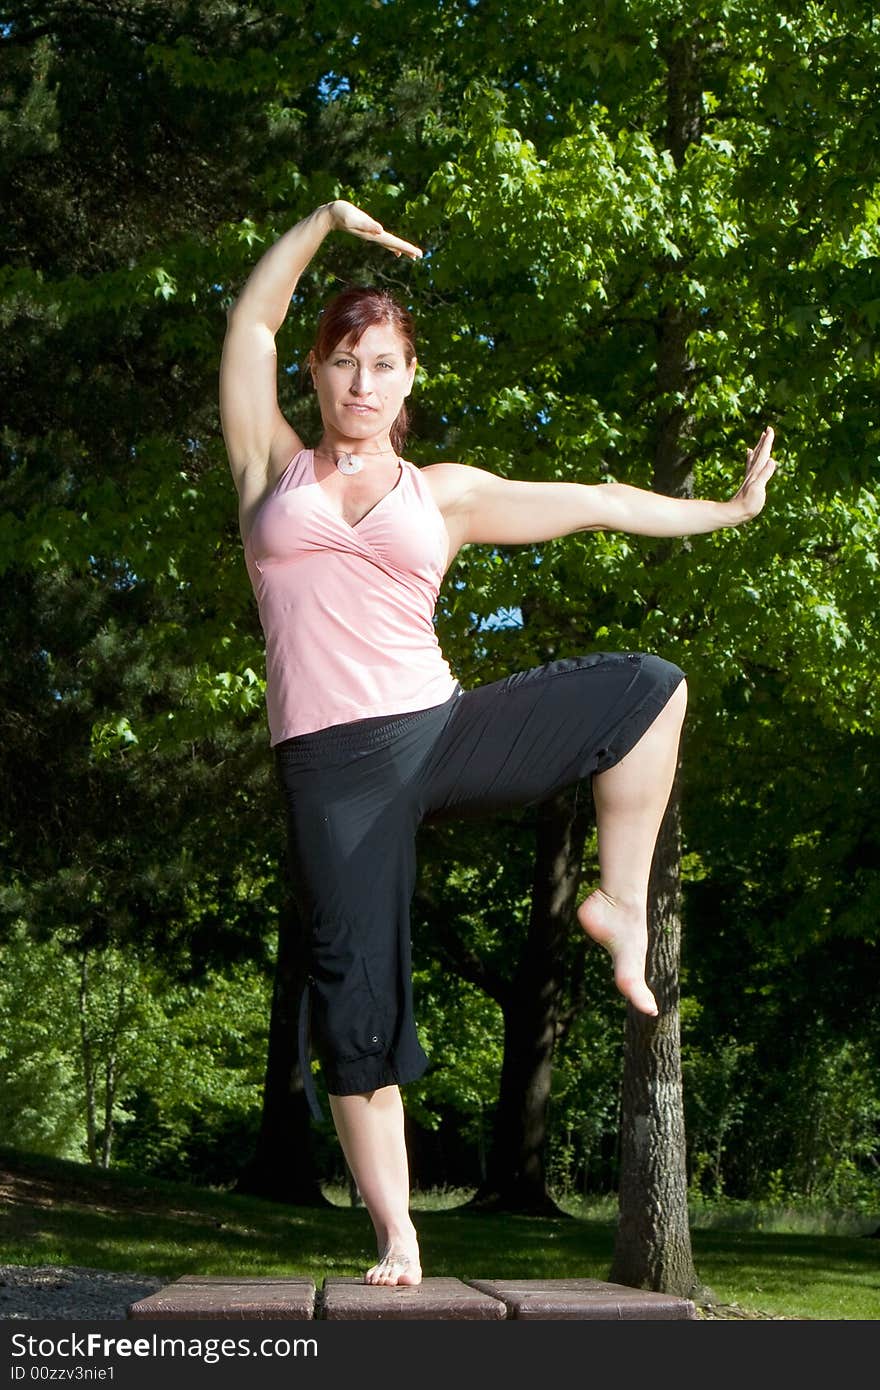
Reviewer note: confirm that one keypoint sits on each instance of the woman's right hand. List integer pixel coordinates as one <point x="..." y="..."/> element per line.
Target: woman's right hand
<point x="347" y="218"/>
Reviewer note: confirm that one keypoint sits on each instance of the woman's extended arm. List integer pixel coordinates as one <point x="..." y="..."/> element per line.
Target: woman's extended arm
<point x="257" y="436"/>
<point x="481" y="508"/>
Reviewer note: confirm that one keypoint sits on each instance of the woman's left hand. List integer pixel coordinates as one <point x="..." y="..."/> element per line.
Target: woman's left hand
<point x="347" y="218"/>
<point x="749" y="500"/>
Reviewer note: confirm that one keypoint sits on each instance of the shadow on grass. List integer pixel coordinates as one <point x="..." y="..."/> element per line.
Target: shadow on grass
<point x="67" y="1213"/>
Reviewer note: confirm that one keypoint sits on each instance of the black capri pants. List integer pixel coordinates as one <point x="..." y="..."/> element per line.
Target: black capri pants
<point x="355" y="796"/>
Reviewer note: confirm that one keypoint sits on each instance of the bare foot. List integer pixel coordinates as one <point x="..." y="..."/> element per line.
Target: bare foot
<point x="623" y="931"/>
<point x="395" y="1267"/>
<point x="398" y="1262"/>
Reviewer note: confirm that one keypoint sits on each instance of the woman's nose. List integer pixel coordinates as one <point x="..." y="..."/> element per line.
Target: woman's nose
<point x="361" y="383"/>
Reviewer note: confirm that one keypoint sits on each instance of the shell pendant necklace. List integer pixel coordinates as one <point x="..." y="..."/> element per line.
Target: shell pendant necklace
<point x="350" y="464"/>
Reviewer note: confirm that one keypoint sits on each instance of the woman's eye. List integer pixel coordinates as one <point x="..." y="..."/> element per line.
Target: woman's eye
<point x="389" y="365"/>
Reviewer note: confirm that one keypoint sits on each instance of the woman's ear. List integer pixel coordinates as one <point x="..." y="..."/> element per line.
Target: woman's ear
<point x="412" y="376"/>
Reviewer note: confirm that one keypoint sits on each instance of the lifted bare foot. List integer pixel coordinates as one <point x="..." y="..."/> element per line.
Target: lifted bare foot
<point x="395" y="1267"/>
<point x="623" y="931"/>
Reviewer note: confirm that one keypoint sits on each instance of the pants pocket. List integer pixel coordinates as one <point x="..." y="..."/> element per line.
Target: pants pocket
<point x="348" y="1020"/>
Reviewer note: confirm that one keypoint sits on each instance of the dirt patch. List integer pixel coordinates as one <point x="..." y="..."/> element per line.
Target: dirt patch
<point x="734" y="1312"/>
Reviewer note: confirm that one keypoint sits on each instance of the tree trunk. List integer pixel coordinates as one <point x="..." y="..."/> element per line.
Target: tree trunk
<point x="515" y="1172"/>
<point x="653" y="1245"/>
<point x="109" y="1099"/>
<point x="111" y="1077"/>
<point x="282" y="1167"/>
<point x="87" y="1062"/>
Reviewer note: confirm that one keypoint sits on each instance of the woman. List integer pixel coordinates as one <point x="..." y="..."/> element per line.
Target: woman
<point x="346" y="544"/>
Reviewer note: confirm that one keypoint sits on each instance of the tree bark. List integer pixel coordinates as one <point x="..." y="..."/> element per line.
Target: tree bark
<point x="87" y="1061"/>
<point x="110" y="1079"/>
<point x="282" y="1167"/>
<point x="515" y="1172"/>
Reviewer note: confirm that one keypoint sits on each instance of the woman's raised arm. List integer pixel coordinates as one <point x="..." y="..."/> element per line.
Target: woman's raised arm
<point x="259" y="440"/>
<point x="482" y="508"/>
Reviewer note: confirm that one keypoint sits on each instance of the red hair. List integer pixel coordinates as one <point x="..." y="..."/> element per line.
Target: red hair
<point x="346" y="318"/>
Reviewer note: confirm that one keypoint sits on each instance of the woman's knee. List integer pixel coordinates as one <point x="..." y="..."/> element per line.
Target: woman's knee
<point x="668" y="677"/>
<point x="675" y="709"/>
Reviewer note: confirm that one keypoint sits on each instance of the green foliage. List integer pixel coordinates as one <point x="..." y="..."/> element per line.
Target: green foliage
<point x="585" y="1104"/>
<point x="715" y="1109"/>
<point x="462" y="1029"/>
<point x="199" y="1078"/>
<point x="41" y="1097"/>
<point x="830" y="1115"/>
<point x="180" y="1066"/>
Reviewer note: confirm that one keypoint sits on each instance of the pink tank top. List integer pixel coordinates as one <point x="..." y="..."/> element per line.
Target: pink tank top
<point x="347" y="611"/>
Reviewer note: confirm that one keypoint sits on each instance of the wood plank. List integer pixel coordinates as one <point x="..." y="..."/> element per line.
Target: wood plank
<point x="440" y="1298"/>
<point x="582" y="1298"/>
<point x="207" y="1296"/>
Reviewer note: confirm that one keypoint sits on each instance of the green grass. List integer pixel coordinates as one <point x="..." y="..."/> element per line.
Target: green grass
<point x="67" y="1213"/>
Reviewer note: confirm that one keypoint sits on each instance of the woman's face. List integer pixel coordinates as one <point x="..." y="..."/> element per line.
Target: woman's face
<point x="361" y="386"/>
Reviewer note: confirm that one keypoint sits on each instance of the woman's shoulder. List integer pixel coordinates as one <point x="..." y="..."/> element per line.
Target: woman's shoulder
<point x="447" y="481"/>
<point x="461" y="487"/>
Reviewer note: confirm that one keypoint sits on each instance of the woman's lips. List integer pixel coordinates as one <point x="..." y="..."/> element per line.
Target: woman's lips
<point x="362" y="409"/>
